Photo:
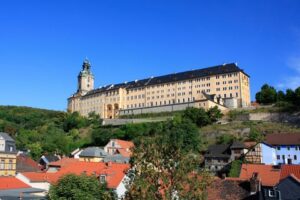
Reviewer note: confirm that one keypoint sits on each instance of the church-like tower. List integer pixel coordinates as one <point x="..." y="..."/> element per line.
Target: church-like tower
<point x="85" y="78"/>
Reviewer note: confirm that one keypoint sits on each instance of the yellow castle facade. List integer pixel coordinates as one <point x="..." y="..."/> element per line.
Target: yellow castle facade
<point x="225" y="86"/>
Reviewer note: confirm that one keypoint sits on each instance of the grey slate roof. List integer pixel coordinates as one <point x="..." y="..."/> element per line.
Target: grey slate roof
<point x="118" y="158"/>
<point x="198" y="73"/>
<point x="237" y="145"/>
<point x="218" y="151"/>
<point x="289" y="188"/>
<point x="6" y="137"/>
<point x="93" y="152"/>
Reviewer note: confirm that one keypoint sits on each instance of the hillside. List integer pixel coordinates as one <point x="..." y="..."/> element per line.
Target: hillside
<point x="41" y="130"/>
<point x="47" y="131"/>
<point x="14" y="118"/>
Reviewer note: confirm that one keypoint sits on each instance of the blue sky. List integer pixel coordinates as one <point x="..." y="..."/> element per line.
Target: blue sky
<point x="43" y="43"/>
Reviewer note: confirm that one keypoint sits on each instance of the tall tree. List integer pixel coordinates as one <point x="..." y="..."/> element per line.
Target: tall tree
<point x="166" y="165"/>
<point x="280" y="96"/>
<point x="267" y="95"/>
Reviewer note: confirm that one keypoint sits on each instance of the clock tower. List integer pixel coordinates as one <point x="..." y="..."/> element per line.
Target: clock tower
<point x="85" y="78"/>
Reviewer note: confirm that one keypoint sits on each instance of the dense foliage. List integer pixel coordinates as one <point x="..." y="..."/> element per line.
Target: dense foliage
<point x="166" y="164"/>
<point x="83" y="187"/>
<point x="269" y="95"/>
<point x="44" y="131"/>
<point x="201" y="117"/>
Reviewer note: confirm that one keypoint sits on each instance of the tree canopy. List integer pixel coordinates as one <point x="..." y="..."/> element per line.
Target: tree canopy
<point x="82" y="187"/>
<point x="166" y="165"/>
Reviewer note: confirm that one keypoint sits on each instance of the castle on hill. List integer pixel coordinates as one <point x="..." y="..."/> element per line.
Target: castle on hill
<point x="225" y="86"/>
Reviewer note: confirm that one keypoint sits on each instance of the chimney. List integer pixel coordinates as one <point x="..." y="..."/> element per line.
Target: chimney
<point x="255" y="183"/>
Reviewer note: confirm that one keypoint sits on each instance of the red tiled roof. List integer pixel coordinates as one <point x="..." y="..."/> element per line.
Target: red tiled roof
<point x="8" y="183"/>
<point x="283" y="139"/>
<point x="269" y="176"/>
<point x="63" y="162"/>
<point x="287" y="170"/>
<point x="124" y="144"/>
<point x="124" y="152"/>
<point x="114" y="172"/>
<point x="25" y="163"/>
<point x="228" y="189"/>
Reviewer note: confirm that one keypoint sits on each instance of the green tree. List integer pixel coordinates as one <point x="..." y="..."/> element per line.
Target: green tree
<point x="214" y="114"/>
<point x="297" y="97"/>
<point x="35" y="150"/>
<point x="280" y="96"/>
<point x="255" y="135"/>
<point x="74" y="120"/>
<point x="290" y="96"/>
<point x="165" y="168"/>
<point x="267" y="95"/>
<point x="83" y="187"/>
<point x="197" y="116"/>
<point x="226" y="139"/>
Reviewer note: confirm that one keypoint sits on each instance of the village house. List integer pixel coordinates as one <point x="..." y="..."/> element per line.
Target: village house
<point x="116" y="150"/>
<point x="218" y="157"/>
<point x="116" y="146"/>
<point x="8" y="155"/>
<point x="113" y="174"/>
<point x="268" y="182"/>
<point x="13" y="188"/>
<point x="276" y="149"/>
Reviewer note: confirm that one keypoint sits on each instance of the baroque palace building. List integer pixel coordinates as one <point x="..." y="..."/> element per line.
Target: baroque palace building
<point x="225" y="86"/>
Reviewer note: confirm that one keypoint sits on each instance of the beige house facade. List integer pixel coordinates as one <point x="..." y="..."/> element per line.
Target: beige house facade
<point x="8" y="155"/>
<point x="207" y="87"/>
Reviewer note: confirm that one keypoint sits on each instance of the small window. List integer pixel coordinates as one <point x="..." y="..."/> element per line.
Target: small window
<point x="295" y="157"/>
<point x="288" y="148"/>
<point x="278" y="157"/>
<point x="278" y="148"/>
<point x="102" y="178"/>
<point x="271" y="193"/>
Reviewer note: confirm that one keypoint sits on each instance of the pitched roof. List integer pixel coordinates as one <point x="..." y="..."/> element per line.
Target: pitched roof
<point x="283" y="139"/>
<point x="26" y="164"/>
<point x="63" y="162"/>
<point x="268" y="174"/>
<point x="114" y="172"/>
<point x="124" y="153"/>
<point x="93" y="152"/>
<point x="289" y="187"/>
<point x="209" y="71"/>
<point x="218" y="150"/>
<point x="6" y="136"/>
<point x="237" y="145"/>
<point x="287" y="170"/>
<point x="228" y="189"/>
<point x="7" y="183"/>
<point x="124" y="144"/>
<point x="116" y="158"/>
